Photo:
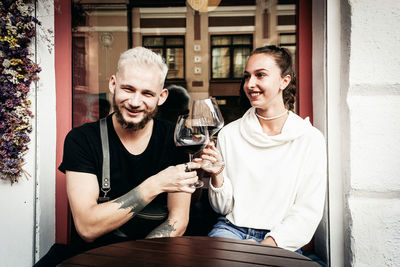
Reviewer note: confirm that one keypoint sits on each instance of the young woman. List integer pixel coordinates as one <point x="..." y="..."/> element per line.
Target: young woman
<point x="272" y="188"/>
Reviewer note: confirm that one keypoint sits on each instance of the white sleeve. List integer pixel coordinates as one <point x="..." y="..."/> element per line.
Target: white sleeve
<point x="221" y="199"/>
<point x="300" y="223"/>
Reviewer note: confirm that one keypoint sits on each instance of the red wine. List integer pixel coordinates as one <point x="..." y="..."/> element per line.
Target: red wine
<point x="190" y="147"/>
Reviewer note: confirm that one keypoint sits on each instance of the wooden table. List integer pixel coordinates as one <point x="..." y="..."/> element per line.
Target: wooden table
<point x="188" y="251"/>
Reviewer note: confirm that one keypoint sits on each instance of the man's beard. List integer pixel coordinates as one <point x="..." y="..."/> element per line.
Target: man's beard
<point x="129" y="125"/>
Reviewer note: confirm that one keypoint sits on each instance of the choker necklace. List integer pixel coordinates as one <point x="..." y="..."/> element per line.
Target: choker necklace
<point x="274" y="117"/>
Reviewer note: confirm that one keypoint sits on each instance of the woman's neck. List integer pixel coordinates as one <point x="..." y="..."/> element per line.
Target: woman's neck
<point x="272" y="120"/>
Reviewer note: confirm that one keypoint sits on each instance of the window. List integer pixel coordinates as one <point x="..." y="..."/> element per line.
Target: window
<point x="229" y="54"/>
<point x="171" y="48"/>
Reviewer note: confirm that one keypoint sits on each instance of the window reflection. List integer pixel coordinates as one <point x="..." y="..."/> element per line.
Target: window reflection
<point x="172" y="49"/>
<point x="220" y="63"/>
<point x="99" y="36"/>
<point x="240" y="56"/>
<point x="215" y="67"/>
<point x="229" y="55"/>
<point x="153" y="41"/>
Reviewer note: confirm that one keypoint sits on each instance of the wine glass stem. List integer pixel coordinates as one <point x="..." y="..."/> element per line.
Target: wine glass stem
<point x="190" y="158"/>
<point x="199" y="183"/>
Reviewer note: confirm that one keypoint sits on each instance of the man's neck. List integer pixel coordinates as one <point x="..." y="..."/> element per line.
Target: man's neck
<point x="135" y="141"/>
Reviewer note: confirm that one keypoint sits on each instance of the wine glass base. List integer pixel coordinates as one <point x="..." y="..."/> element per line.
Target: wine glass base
<point x="209" y="165"/>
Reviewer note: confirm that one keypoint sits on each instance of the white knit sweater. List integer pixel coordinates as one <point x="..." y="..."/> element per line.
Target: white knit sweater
<point x="276" y="183"/>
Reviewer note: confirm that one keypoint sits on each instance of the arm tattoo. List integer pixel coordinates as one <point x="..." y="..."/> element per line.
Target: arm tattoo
<point x="132" y="200"/>
<point x="163" y="230"/>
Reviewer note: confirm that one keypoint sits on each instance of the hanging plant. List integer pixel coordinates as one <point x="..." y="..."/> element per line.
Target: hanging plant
<point x="18" y="71"/>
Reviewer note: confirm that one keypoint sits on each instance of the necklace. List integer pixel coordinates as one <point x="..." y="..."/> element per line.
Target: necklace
<point x="274" y="117"/>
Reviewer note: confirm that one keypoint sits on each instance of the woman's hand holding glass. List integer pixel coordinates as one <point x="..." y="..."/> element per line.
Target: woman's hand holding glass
<point x="210" y="154"/>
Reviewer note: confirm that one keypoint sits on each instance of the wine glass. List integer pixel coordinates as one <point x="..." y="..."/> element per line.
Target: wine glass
<point x="191" y="135"/>
<point x="209" y="111"/>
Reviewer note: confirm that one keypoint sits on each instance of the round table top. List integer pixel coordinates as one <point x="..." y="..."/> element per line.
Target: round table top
<point x="188" y="251"/>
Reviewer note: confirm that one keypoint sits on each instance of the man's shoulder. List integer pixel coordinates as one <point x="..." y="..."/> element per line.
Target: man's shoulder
<point x="81" y="147"/>
<point x="87" y="130"/>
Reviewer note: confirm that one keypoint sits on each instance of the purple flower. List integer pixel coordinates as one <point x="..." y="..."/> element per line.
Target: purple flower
<point x="18" y="27"/>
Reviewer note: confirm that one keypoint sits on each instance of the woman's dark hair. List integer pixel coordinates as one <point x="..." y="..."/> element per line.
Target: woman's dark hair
<point x="283" y="59"/>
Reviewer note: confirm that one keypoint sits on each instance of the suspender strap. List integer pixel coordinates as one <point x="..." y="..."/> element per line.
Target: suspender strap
<point x="105" y="179"/>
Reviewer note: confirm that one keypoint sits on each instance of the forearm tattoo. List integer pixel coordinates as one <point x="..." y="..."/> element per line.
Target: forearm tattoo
<point x="163" y="230"/>
<point x="132" y="200"/>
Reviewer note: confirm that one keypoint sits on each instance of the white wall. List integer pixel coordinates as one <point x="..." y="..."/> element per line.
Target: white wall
<point x="373" y="186"/>
<point x="27" y="207"/>
<point x="46" y="131"/>
<point x="17" y="213"/>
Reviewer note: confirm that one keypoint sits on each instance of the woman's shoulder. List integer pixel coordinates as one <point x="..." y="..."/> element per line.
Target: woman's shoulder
<point x="314" y="133"/>
<point x="304" y="126"/>
<point x="314" y="137"/>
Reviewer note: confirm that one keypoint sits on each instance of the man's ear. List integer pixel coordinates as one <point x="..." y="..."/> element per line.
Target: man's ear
<point x="112" y="84"/>
<point x="285" y="82"/>
<point x="163" y="96"/>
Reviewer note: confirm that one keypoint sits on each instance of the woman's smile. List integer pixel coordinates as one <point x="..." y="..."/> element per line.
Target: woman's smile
<point x="254" y="94"/>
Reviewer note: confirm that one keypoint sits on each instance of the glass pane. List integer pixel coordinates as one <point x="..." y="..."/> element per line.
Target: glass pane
<point x="153" y="41"/>
<point x="174" y="41"/>
<point x="240" y="56"/>
<point x="95" y="53"/>
<point x="174" y="62"/>
<point x="79" y="60"/>
<point x="220" y="62"/>
<point x="237" y="40"/>
<point x="221" y="40"/>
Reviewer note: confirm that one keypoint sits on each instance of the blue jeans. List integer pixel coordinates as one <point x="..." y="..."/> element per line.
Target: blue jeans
<point x="225" y="229"/>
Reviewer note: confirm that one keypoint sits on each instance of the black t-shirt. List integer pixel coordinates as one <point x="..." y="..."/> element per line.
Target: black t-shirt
<point x="83" y="153"/>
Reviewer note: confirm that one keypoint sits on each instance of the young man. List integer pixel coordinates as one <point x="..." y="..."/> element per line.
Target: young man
<point x="144" y="162"/>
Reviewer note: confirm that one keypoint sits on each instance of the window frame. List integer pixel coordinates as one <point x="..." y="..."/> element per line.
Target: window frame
<point x="231" y="47"/>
